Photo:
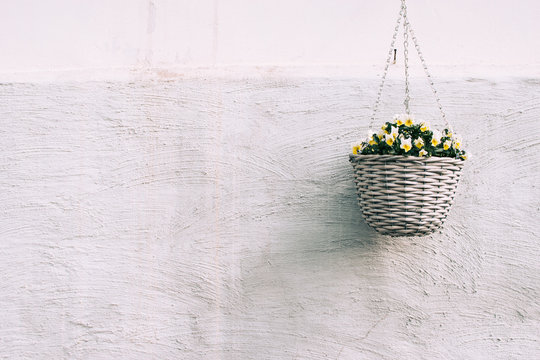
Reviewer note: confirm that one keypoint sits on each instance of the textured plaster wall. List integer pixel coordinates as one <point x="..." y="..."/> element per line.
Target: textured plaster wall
<point x="151" y="208"/>
<point x="216" y="219"/>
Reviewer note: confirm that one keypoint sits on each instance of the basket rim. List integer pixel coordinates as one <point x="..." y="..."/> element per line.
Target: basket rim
<point x="405" y="158"/>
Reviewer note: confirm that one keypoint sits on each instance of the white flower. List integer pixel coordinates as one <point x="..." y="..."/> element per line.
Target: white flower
<point x="423" y="152"/>
<point x="400" y="119"/>
<point x="424" y="126"/>
<point x="389" y="139"/>
<point x="456" y="143"/>
<point x="394" y="131"/>
<point x="409" y="120"/>
<point x="370" y="139"/>
<point x="406" y="145"/>
<point x="419" y="143"/>
<point x="447" y="144"/>
<point x="357" y="147"/>
<point x="436" y="139"/>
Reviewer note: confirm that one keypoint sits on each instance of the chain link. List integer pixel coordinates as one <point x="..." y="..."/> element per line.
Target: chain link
<point x="428" y="75"/>
<point x="407" y="30"/>
<point x="406" y="55"/>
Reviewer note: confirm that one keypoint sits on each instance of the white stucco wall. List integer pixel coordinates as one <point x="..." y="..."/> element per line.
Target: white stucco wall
<point x="104" y="34"/>
<point x="156" y="205"/>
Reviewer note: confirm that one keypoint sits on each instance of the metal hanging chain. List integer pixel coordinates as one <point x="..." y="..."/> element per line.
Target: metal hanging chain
<point x="428" y="75"/>
<point x="406" y="56"/>
<point x="407" y="30"/>
<point x="388" y="61"/>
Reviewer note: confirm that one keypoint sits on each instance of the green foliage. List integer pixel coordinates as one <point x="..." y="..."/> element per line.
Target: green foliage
<point x="404" y="137"/>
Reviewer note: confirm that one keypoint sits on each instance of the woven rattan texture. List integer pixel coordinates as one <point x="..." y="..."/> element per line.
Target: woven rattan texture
<point x="405" y="195"/>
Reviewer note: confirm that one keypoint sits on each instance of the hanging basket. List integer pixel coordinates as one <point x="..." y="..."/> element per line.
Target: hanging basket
<point x="405" y="195"/>
<point x="406" y="177"/>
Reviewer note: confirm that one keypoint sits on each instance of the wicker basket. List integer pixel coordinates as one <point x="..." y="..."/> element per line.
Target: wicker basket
<point x="405" y="195"/>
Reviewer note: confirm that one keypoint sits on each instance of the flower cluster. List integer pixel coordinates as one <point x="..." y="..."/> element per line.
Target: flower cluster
<point x="405" y="137"/>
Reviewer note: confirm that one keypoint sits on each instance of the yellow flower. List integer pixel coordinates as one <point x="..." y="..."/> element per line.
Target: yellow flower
<point x="436" y="139"/>
<point x="355" y="149"/>
<point x="399" y="119"/>
<point x="419" y="143"/>
<point x="464" y="157"/>
<point x="409" y="120"/>
<point x="384" y="129"/>
<point x="456" y="143"/>
<point x="394" y="131"/>
<point x="389" y="139"/>
<point x="406" y="145"/>
<point x="424" y="127"/>
<point x="370" y="137"/>
<point x="447" y="144"/>
<point x="380" y="136"/>
<point x="423" y="152"/>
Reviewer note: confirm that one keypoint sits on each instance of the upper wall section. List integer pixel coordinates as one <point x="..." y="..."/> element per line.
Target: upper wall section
<point x="59" y="35"/>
